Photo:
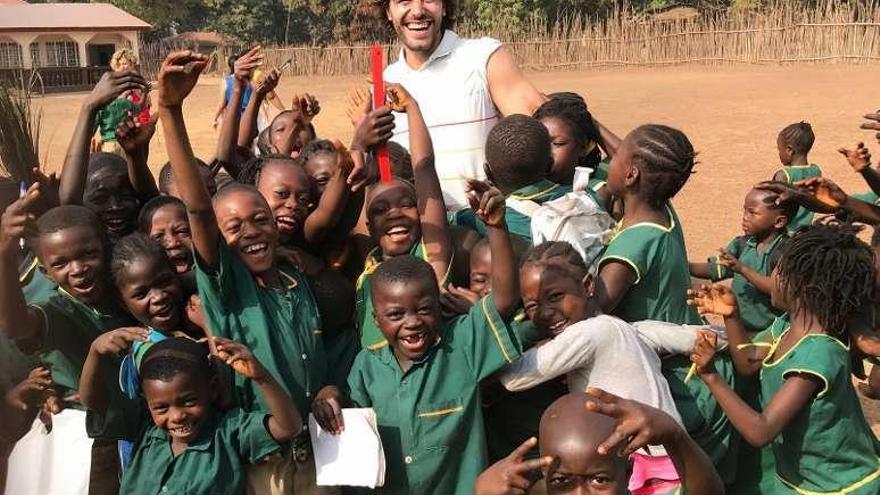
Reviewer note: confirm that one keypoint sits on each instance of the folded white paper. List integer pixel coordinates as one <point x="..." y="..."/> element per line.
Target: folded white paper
<point x="353" y="458"/>
<point x="57" y="463"/>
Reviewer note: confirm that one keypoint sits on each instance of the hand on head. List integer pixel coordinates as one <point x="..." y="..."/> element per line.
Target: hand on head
<point x="119" y="341"/>
<point x="636" y="425"/>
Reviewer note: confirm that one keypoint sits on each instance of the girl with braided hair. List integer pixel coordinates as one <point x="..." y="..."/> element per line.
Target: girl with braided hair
<point x="810" y="412"/>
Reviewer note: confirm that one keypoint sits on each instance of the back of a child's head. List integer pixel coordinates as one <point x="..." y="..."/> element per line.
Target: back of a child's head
<point x="799" y="137"/>
<point x="168" y="358"/>
<point x="69" y="216"/>
<point x="828" y="272"/>
<point x="131" y="248"/>
<point x="559" y="255"/>
<point x="166" y="175"/>
<point x="405" y="269"/>
<point x="145" y="218"/>
<point x="401" y="162"/>
<point x="518" y="153"/>
<point x="572" y="109"/>
<point x="665" y="158"/>
<point x="335" y="298"/>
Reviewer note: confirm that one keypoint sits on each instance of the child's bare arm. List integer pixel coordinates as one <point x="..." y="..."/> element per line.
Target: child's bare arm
<point x="18" y="321"/>
<point x="614" y="281"/>
<point x="860" y="161"/>
<point x="134" y="138"/>
<point x="701" y="270"/>
<point x="177" y="77"/>
<point x="762" y="282"/>
<point x="243" y="75"/>
<point x="432" y="207"/>
<point x="334" y="200"/>
<point x="229" y="133"/>
<point x="92" y="384"/>
<point x="285" y="421"/>
<point x="609" y="141"/>
<point x="76" y="162"/>
<point x="23" y="402"/>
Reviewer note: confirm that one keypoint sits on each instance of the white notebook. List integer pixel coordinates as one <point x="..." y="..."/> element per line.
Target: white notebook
<point x="353" y="458"/>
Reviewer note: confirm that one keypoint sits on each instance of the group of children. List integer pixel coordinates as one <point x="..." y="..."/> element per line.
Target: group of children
<point x="200" y="320"/>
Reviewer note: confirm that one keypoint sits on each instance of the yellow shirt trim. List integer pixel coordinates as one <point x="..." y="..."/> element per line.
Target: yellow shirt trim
<point x="851" y="488"/>
<point x="536" y="195"/>
<point x="495" y="330"/>
<point x="442" y="412"/>
<point x="30" y="269"/>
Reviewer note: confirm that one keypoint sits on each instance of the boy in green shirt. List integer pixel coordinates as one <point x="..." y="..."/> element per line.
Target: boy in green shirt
<point x="794" y="144"/>
<point x="186" y="444"/>
<point x="425" y="385"/>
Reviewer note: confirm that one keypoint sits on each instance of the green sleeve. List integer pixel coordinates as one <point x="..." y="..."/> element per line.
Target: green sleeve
<point x="223" y="288"/>
<point x="820" y="356"/>
<point x="358" y="391"/>
<point x="634" y="247"/>
<point x="485" y="338"/>
<point x="249" y="433"/>
<point x="721" y="272"/>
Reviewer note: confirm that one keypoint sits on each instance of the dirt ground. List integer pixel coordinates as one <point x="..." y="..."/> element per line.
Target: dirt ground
<point x="731" y="114"/>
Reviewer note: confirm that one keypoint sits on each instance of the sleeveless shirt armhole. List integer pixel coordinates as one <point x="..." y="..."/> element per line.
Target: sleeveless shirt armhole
<point x="483" y="49"/>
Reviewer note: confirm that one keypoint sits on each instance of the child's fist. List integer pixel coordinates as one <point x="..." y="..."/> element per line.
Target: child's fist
<point x="32" y="391"/>
<point x="486" y="201"/>
<point x="239" y="358"/>
<point x="18" y="221"/>
<point x="119" y="341"/>
<point x="244" y="66"/>
<point x="704" y="351"/>
<point x="859" y="159"/>
<point x="398" y="98"/>
<point x="134" y="136"/>
<point x="376" y="127"/>
<point x="715" y="299"/>
<point x="178" y="76"/>
<point x="307" y="106"/>
<point x="113" y="84"/>
<point x="729" y="260"/>
<point x="327" y="408"/>
<point x="637" y="424"/>
<point x="509" y="475"/>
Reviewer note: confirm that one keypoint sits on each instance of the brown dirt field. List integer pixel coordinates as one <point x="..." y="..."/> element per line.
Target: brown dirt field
<point x="732" y="115"/>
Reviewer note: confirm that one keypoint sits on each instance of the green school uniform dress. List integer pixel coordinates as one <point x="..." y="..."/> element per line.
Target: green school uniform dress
<point x="430" y="419"/>
<point x="658" y="256"/>
<point x="517" y="223"/>
<point x="804" y="217"/>
<point x="280" y="326"/>
<point x="755" y="309"/>
<point x="828" y="446"/>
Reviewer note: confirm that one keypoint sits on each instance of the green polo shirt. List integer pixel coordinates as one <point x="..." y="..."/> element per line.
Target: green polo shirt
<point x="804" y="217"/>
<point x="658" y="257"/>
<point x="280" y="326"/>
<point x="755" y="309"/>
<point x="215" y="463"/>
<point x="828" y="446"/>
<point x="430" y="419"/>
<point x="517" y="223"/>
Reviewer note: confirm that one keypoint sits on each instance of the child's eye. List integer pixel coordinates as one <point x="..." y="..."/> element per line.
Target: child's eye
<point x="185" y="232"/>
<point x="408" y="204"/>
<point x="394" y="315"/>
<point x="282" y="194"/>
<point x="233" y="228"/>
<point x="556" y="297"/>
<point x="599" y="480"/>
<point x="561" y="484"/>
<point x="159" y="409"/>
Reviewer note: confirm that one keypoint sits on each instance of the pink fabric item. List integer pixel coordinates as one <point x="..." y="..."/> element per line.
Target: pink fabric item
<point x="652" y="475"/>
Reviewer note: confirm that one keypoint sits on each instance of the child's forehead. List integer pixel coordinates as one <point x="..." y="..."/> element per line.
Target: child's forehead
<point x="241" y="201"/>
<point x="391" y="290"/>
<point x="395" y="189"/>
<point x="70" y="241"/>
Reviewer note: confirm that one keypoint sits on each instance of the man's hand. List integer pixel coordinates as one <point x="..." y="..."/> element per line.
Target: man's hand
<point x="113" y="84"/>
<point x="178" y="76"/>
<point x="133" y="136"/>
<point x="509" y="475"/>
<point x="859" y="159"/>
<point x="486" y="201"/>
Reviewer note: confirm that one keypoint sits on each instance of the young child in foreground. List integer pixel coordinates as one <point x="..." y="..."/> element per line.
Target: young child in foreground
<point x="187" y="445"/>
<point x="586" y="442"/>
<point x="794" y="144"/>
<point x="811" y="414"/>
<point x="425" y="385"/>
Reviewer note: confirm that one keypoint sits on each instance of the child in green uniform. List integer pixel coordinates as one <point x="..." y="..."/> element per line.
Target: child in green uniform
<point x="404" y="220"/>
<point x="811" y="414"/>
<point x="518" y="160"/>
<point x="750" y="259"/>
<point x="585" y="441"/>
<point x="424" y="385"/>
<point x="643" y="273"/>
<point x="164" y="220"/>
<point x="183" y="442"/>
<point x="246" y="295"/>
<point x="794" y="144"/>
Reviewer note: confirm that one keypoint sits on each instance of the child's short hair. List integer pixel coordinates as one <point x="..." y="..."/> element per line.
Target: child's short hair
<point x="572" y="109"/>
<point x="875" y="238"/>
<point x="518" y="152"/>
<point x="145" y="218"/>
<point x="557" y="253"/>
<point x="335" y="298"/>
<point x="170" y="357"/>
<point x="827" y="270"/>
<point x="132" y="247"/>
<point x="234" y="187"/>
<point x="799" y="137"/>
<point x="665" y="157"/>
<point x="404" y="269"/>
<point x="401" y="162"/>
<point x="251" y="169"/>
<point x="67" y="216"/>
<point x="318" y="147"/>
<point x="166" y="174"/>
<point x="101" y="160"/>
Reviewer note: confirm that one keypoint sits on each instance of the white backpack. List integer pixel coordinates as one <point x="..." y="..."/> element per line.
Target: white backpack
<point x="574" y="218"/>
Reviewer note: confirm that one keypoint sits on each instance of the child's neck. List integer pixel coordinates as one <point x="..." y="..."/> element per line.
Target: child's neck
<point x="766" y="238"/>
<point x="270" y="278"/>
<point x="804" y="323"/>
<point x="638" y="211"/>
<point x="799" y="161"/>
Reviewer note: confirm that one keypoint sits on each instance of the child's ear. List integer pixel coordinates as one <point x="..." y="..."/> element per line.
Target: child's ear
<point x="781" y="222"/>
<point x="633" y="174"/>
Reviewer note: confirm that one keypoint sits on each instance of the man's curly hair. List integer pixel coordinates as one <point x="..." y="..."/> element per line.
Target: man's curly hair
<point x="449" y="7"/>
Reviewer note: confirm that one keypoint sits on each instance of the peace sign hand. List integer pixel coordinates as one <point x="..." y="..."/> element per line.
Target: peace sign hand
<point x="509" y="475"/>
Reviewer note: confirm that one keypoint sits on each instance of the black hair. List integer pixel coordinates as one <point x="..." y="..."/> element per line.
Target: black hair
<point x="829" y="272"/>
<point x="134" y="247"/>
<point x="401" y="162"/>
<point x="166" y="174"/>
<point x="788" y="208"/>
<point x="665" y="158"/>
<point x="251" y="169"/>
<point x="403" y="269"/>
<point x="799" y="137"/>
<point x="145" y="218"/>
<point x="318" y="147"/>
<point x="168" y="358"/>
<point x="875" y="237"/>
<point x="518" y="152"/>
<point x="449" y="8"/>
<point x="101" y="160"/>
<point x="557" y="254"/>
<point x="68" y="216"/>
<point x="335" y="298"/>
<point x="572" y="109"/>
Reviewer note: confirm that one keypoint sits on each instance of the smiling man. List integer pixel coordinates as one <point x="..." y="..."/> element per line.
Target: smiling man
<point x="462" y="85"/>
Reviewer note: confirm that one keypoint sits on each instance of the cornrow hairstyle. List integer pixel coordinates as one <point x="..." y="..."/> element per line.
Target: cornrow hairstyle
<point x="67" y="216"/>
<point x="403" y="269"/>
<point x="559" y="256"/>
<point x="168" y="358"/>
<point x="788" y="208"/>
<point x="572" y="109"/>
<point x="449" y="8"/>
<point x="145" y="218"/>
<point x="827" y="271"/>
<point x="401" y="162"/>
<point x="251" y="169"/>
<point x="665" y="157"/>
<point x="799" y="137"/>
<point x="518" y="152"/>
<point x="133" y="247"/>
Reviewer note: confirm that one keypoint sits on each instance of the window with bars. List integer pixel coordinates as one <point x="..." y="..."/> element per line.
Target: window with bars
<point x="36" y="60"/>
<point x="10" y="55"/>
<point x="62" y="54"/>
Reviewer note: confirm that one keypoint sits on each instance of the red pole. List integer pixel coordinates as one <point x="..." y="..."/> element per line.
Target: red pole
<point x="378" y="67"/>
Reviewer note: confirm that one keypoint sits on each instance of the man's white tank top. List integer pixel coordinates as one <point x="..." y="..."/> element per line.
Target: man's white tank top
<point x="453" y="93"/>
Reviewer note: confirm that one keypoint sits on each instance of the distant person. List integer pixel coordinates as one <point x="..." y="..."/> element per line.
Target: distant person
<point x="135" y="102"/>
<point x="794" y="144"/>
<point x="226" y="94"/>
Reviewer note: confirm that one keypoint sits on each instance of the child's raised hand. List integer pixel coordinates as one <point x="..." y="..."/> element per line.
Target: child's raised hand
<point x="826" y="192"/>
<point x="134" y="136"/>
<point x="239" y="358"/>
<point x="327" y="408"/>
<point x="113" y="84"/>
<point x="509" y="475"/>
<point x="359" y="104"/>
<point x="18" y="221"/>
<point x="873" y="123"/>
<point x="376" y="127"/>
<point x="729" y="260"/>
<point x="49" y="185"/>
<point x="704" y="351"/>
<point x="32" y="392"/>
<point x="456" y="301"/>
<point x="118" y="342"/>
<point x="398" y="97"/>
<point x="178" y="76"/>
<point x="307" y="105"/>
<point x="268" y="82"/>
<point x="486" y="201"/>
<point x="637" y="424"/>
<point x="244" y="66"/>
<point x="715" y="299"/>
<point x="859" y="159"/>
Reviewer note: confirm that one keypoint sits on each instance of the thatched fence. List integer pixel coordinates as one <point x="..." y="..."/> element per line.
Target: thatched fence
<point x="832" y="31"/>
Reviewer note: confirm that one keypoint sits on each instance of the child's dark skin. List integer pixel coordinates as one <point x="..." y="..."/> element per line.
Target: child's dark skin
<point x="151" y="292"/>
<point x="287" y="190"/>
<point x="554" y="300"/>
<point x="109" y="193"/>
<point x="788" y="157"/>
<point x="170" y="228"/>
<point x="564" y="148"/>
